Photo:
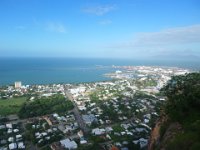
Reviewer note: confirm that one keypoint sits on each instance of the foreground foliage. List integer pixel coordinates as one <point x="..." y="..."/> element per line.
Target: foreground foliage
<point x="183" y="93"/>
<point x="45" y="105"/>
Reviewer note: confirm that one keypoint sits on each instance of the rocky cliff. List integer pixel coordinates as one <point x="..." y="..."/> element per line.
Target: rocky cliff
<point x="163" y="133"/>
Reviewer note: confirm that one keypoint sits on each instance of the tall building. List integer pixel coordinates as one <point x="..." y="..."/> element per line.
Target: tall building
<point x="18" y="84"/>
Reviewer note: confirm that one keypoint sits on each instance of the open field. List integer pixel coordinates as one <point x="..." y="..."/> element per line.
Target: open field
<point x="11" y="106"/>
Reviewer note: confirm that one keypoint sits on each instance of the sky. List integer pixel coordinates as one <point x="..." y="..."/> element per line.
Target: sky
<point x="136" y="29"/>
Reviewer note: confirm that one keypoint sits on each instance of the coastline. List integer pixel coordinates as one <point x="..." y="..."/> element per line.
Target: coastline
<point x="68" y="70"/>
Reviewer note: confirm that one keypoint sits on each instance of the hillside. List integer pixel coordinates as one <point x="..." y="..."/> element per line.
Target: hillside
<point x="179" y="124"/>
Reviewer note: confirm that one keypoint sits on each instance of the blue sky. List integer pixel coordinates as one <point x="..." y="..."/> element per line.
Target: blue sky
<point x="153" y="29"/>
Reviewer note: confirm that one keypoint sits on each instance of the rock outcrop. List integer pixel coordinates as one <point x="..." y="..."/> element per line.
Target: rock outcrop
<point x="160" y="137"/>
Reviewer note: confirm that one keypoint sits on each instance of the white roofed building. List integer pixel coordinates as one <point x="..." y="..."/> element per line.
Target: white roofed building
<point x="69" y="144"/>
<point x="12" y="146"/>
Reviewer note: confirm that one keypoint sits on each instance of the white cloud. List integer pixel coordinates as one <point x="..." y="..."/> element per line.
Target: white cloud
<point x="105" y="22"/>
<point x="56" y="27"/>
<point x="100" y="9"/>
<point x="180" y="42"/>
<point x="169" y="37"/>
<point x="180" y="35"/>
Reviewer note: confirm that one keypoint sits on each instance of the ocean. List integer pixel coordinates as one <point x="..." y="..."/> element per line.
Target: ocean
<point x="70" y="70"/>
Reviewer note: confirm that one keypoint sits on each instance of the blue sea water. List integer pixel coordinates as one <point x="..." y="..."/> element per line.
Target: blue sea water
<point x="70" y="70"/>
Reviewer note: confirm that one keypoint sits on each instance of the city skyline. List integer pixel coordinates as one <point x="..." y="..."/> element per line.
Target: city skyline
<point x="139" y="29"/>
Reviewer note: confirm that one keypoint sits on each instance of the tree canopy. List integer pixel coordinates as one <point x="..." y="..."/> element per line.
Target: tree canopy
<point x="183" y="95"/>
<point x="45" y="105"/>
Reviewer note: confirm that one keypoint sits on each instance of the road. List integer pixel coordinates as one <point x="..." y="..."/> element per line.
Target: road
<point x="77" y="114"/>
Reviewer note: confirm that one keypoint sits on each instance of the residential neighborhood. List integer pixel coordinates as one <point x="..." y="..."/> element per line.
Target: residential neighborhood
<point x="116" y="114"/>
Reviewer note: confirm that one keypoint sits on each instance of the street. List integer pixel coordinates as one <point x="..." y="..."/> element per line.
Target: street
<point x="77" y="114"/>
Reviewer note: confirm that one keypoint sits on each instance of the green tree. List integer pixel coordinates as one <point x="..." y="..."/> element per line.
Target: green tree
<point x="43" y="106"/>
<point x="183" y="95"/>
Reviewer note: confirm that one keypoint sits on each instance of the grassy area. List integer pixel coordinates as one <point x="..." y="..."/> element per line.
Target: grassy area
<point x="11" y="106"/>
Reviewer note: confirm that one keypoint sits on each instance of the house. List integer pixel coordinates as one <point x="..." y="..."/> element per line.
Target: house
<point x="38" y="135"/>
<point x="18" y="137"/>
<point x="125" y="142"/>
<point x="123" y="133"/>
<point x="88" y="119"/>
<point x="9" y="131"/>
<point x="135" y="141"/>
<point x="49" y="131"/>
<point x="98" y="131"/>
<point x="55" y="115"/>
<point x="109" y="129"/>
<point x="41" y="140"/>
<point x="146" y="120"/>
<point x="44" y="134"/>
<point x="10" y="139"/>
<point x="129" y="133"/>
<point x="101" y="121"/>
<point x="68" y="128"/>
<point x="47" y="138"/>
<point x="9" y="126"/>
<point x="108" y="136"/>
<point x="16" y="130"/>
<point x="21" y="145"/>
<point x="143" y="142"/>
<point x="83" y="141"/>
<point x="68" y="144"/>
<point x="117" y="134"/>
<point x="12" y="146"/>
<point x="55" y="129"/>
<point x="61" y="128"/>
<point x="81" y="107"/>
<point x="140" y="129"/>
<point x="118" y="144"/>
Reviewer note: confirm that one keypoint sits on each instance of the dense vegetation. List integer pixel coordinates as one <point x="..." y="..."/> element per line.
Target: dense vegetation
<point x="183" y="106"/>
<point x="183" y="93"/>
<point x="11" y="106"/>
<point x="45" y="105"/>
